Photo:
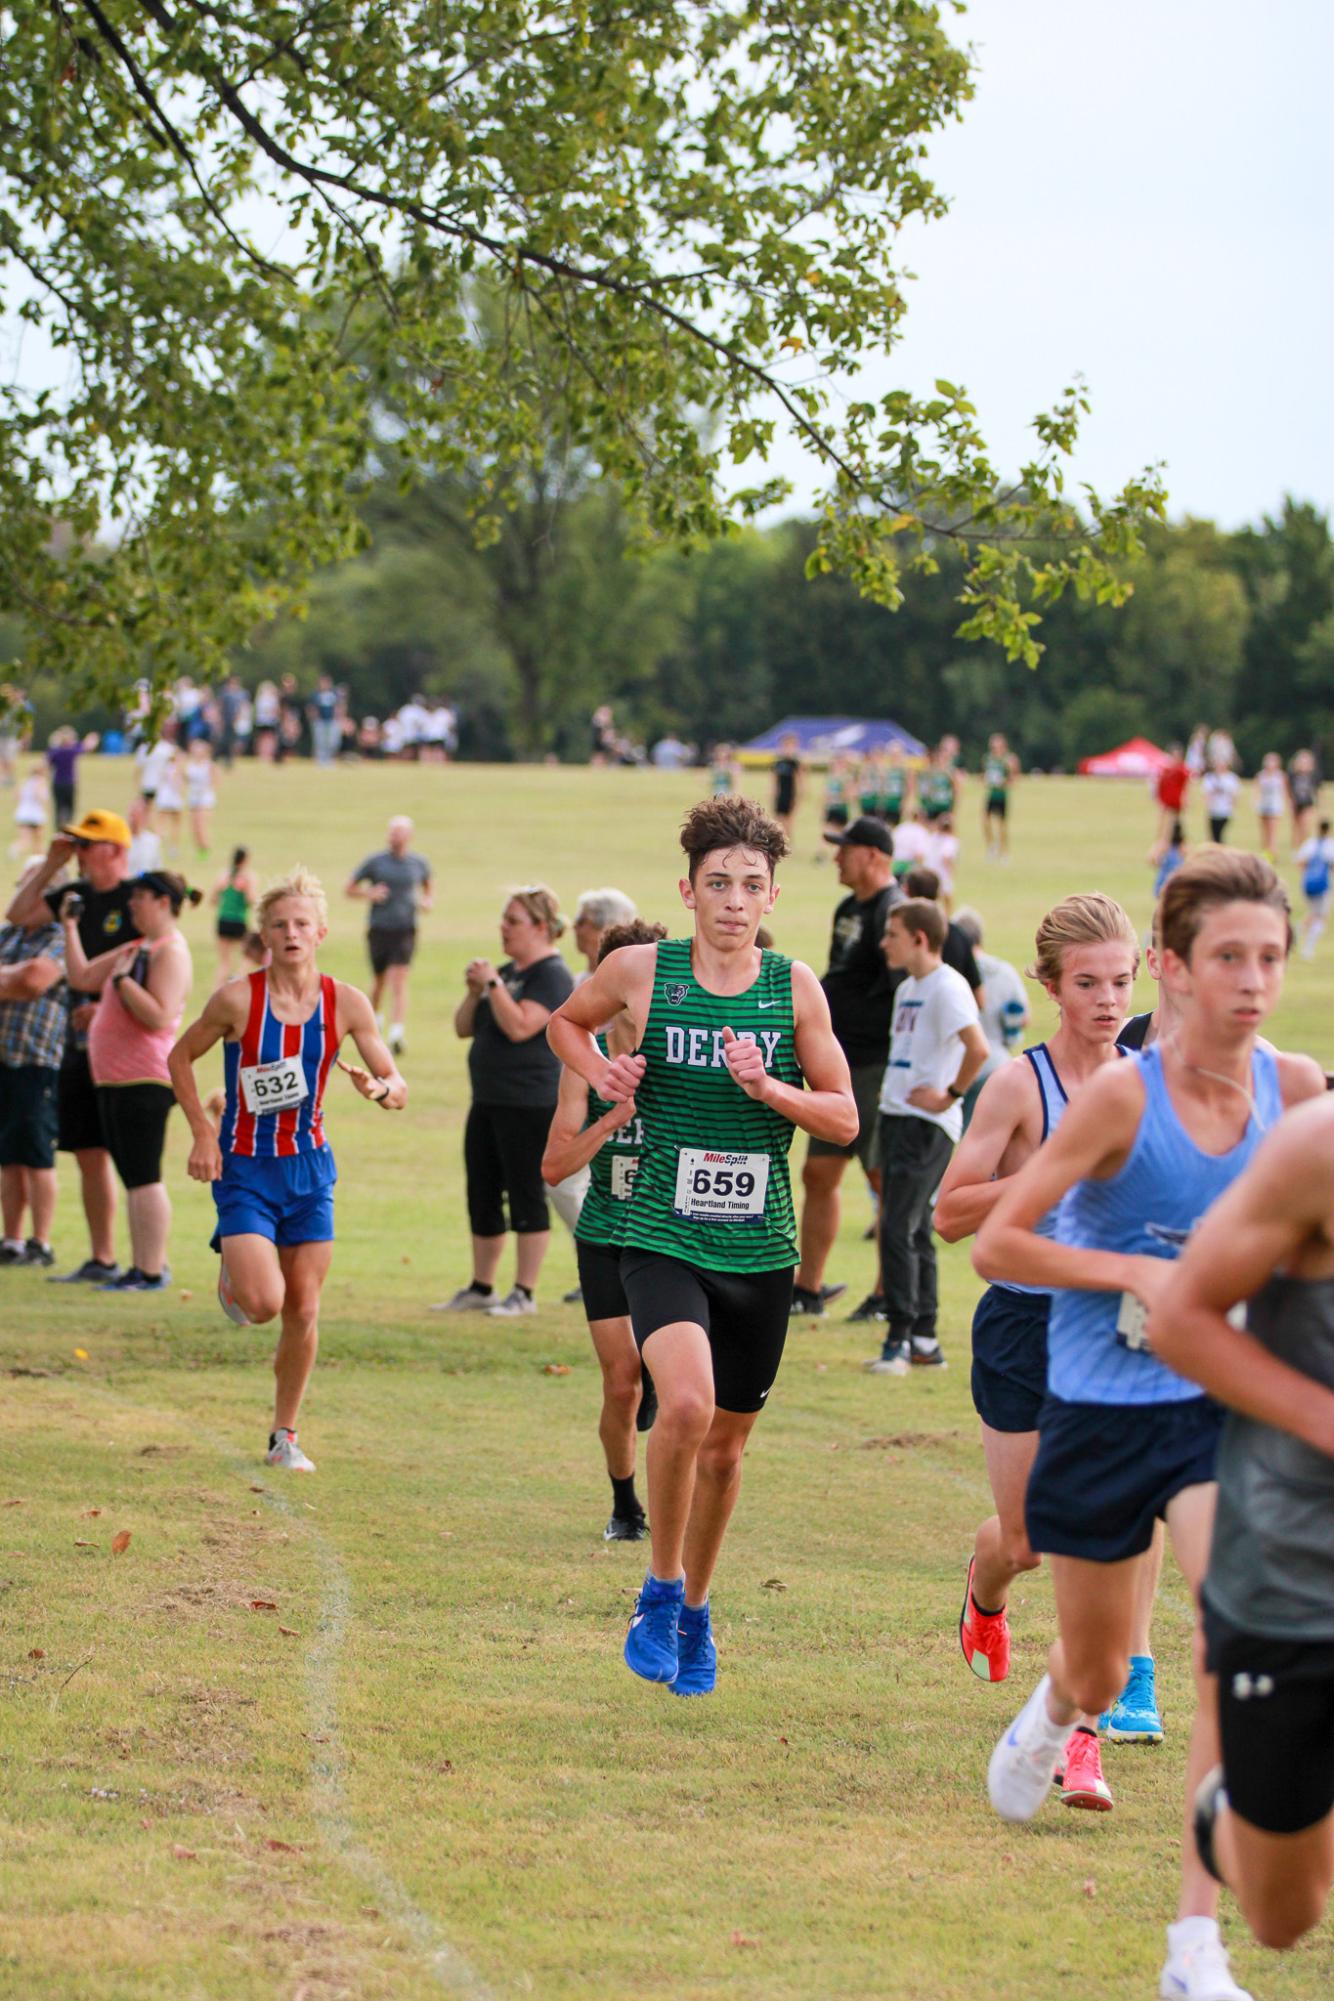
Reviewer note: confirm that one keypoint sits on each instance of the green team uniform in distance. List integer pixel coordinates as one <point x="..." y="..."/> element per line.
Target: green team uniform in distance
<point x="996" y="776"/>
<point x="935" y="790"/>
<point x="691" y="1201"/>
<point x="233" y="905"/>
<point x="893" y="786"/>
<point x="611" y="1174"/>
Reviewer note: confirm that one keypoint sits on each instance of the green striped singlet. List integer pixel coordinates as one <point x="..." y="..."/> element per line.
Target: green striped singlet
<point x="705" y="1208"/>
<point x="611" y="1173"/>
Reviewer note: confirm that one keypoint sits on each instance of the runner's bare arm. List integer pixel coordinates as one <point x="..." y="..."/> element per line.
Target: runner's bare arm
<point x="624" y="980"/>
<point x="380" y="1081"/>
<point x="971" y="1190"/>
<point x="571" y="1144"/>
<point x="827" y="1108"/>
<point x="1092" y="1141"/>
<point x="1283" y="1200"/>
<point x="224" y="1015"/>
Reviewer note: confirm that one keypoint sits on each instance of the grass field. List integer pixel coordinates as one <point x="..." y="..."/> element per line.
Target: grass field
<point x="426" y="1770"/>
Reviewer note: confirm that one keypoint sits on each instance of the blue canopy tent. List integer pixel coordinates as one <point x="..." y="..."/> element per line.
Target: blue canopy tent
<point x="821" y="737"/>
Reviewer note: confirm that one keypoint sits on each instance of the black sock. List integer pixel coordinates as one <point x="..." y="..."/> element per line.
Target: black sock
<point x="1084" y="1730"/>
<point x="526" y="1290"/>
<point x="625" y="1502"/>
<point x="982" y="1611"/>
<point x="487" y="1290"/>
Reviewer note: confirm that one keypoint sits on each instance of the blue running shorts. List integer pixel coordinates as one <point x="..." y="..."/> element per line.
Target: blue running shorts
<point x="288" y="1201"/>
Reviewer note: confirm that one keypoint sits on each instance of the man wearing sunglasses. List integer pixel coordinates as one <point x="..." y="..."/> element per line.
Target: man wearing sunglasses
<point x="99" y="847"/>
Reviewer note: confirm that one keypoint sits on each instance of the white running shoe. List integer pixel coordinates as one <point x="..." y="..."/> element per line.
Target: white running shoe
<point x="1200" y="1972"/>
<point x="228" y="1301"/>
<point x="467" y="1300"/>
<point x="285" y="1452"/>
<point x="396" y="1040"/>
<point x="1019" y="1776"/>
<point x="513" y="1305"/>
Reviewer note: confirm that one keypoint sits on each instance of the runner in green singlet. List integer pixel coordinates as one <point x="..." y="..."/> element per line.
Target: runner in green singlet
<point x="998" y="770"/>
<point x="893" y="797"/>
<point x="727" y="1035"/>
<point x="589" y="1131"/>
<point x="233" y="893"/>
<point x="935" y="787"/>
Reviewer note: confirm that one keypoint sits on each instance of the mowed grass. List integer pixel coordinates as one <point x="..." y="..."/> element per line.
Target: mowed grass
<point x="426" y="1770"/>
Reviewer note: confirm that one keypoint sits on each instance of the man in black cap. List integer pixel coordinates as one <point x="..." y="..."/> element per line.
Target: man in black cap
<point x="859" y="987"/>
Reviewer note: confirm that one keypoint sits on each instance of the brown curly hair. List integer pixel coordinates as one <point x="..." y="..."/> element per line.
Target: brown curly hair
<point x="731" y="822"/>
<point x="637" y="932"/>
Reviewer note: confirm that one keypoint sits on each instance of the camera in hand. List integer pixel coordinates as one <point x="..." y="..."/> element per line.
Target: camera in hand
<point x="72" y="905"/>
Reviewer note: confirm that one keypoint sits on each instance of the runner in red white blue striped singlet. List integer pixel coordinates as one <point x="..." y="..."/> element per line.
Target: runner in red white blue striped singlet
<point x="265" y="1042"/>
<point x="270" y="1165"/>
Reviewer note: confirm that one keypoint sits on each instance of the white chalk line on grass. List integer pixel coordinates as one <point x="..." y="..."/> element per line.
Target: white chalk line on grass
<point x="328" y="1762"/>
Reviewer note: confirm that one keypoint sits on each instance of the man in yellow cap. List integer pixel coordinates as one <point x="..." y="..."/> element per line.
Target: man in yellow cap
<point x="99" y="846"/>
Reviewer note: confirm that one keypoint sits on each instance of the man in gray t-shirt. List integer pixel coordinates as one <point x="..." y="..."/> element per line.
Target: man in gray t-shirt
<point x="396" y="884"/>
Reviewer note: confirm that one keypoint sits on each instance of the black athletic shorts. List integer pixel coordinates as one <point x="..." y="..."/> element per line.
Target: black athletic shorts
<point x="867" y="1081"/>
<point x="1106" y="1472"/>
<point x="502" y="1154"/>
<point x="231" y="927"/>
<point x="80" y="1119"/>
<point x="600" y="1281"/>
<point x="391" y="947"/>
<point x="29" y="1115"/>
<point x="1010" y="1358"/>
<point x="134" y="1127"/>
<point x="744" y="1314"/>
<point x="998" y="805"/>
<point x="836" y="816"/>
<point x="1276" y="1721"/>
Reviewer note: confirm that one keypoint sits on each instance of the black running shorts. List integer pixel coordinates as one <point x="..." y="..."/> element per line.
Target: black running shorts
<point x="134" y="1127"/>
<point x="600" y="1281"/>
<point x="1276" y="1722"/>
<point x="744" y="1315"/>
<point x="80" y="1119"/>
<point x="391" y="946"/>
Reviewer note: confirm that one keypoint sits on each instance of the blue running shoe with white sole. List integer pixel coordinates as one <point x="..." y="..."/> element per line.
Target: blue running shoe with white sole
<point x="1133" y="1718"/>
<point x="651" y="1644"/>
<point x="697" y="1657"/>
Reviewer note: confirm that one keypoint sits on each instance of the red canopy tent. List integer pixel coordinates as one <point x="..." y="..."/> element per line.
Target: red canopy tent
<point x="1138" y="758"/>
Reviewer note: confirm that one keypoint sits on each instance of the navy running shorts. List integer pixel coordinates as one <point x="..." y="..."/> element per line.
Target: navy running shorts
<point x="288" y="1201"/>
<point x="1105" y="1472"/>
<point x="1010" y="1357"/>
<point x="744" y="1315"/>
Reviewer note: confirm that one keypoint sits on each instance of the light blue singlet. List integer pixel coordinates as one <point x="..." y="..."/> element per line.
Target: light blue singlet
<point x="1054" y="1102"/>
<point x="1148" y="1210"/>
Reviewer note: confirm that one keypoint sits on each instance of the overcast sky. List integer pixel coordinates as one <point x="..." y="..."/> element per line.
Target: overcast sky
<point x="1141" y="191"/>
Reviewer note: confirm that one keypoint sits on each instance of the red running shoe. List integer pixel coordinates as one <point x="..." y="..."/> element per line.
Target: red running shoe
<point x="984" y="1637"/>
<point x="1082" y="1782"/>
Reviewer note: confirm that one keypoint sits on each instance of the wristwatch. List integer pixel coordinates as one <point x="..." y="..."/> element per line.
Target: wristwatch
<point x="494" y="981"/>
<point x="953" y="1091"/>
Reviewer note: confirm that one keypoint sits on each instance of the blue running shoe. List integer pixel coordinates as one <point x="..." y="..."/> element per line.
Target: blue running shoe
<point x="650" y="1644"/>
<point x="697" y="1670"/>
<point x="1133" y="1718"/>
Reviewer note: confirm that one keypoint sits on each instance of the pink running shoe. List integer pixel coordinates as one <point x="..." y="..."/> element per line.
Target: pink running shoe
<point x="1082" y="1782"/>
<point x="984" y="1637"/>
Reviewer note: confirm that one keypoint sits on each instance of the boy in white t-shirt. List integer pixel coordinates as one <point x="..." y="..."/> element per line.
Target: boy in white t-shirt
<point x="937" y="1047"/>
<point x="942" y="851"/>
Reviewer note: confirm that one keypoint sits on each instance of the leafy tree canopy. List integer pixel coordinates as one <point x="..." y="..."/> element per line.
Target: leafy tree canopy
<point x="234" y="224"/>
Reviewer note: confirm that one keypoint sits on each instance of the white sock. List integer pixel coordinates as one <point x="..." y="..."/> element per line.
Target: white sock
<point x="1042" y="1733"/>
<point x="1187" y="1932"/>
<point x="11" y="1243"/>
